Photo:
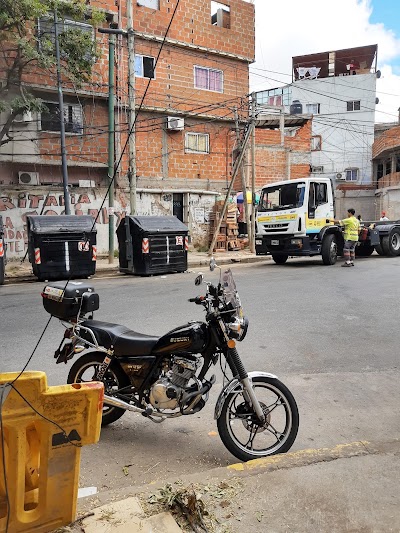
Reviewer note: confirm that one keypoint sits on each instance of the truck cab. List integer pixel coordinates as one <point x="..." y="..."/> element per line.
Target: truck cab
<point x="292" y="220"/>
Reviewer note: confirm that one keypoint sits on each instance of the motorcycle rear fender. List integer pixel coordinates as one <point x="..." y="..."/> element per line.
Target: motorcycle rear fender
<point x="231" y="386"/>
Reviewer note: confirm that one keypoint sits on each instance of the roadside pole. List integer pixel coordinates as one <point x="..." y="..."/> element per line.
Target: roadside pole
<point x="132" y="104"/>
<point x="111" y="147"/>
<point x="235" y="170"/>
<point x="253" y="177"/>
<point x="243" y="179"/>
<point x="67" y="203"/>
<point x="111" y="135"/>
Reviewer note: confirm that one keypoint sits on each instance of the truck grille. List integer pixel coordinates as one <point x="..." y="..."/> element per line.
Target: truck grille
<point x="271" y="228"/>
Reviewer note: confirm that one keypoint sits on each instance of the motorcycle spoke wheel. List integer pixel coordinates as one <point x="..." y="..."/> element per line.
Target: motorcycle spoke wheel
<point x="85" y="369"/>
<point x="242" y="432"/>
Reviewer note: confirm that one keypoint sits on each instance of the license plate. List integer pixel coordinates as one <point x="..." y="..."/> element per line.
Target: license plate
<point x="274" y="242"/>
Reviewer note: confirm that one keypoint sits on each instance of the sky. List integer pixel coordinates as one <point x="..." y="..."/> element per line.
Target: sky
<point x="296" y="27"/>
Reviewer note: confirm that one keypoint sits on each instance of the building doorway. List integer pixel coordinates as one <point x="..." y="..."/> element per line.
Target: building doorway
<point x="177" y="206"/>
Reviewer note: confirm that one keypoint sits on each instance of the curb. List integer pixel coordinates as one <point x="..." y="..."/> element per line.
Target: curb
<point x="114" y="272"/>
<point x="298" y="459"/>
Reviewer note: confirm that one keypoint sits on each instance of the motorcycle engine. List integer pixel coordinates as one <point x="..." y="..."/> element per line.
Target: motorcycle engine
<point x="167" y="391"/>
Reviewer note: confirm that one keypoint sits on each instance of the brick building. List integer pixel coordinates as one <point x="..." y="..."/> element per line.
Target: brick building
<point x="386" y="170"/>
<point x="282" y="157"/>
<point x="184" y="130"/>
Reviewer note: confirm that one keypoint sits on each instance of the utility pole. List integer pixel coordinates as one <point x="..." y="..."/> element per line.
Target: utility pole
<point x="253" y="177"/>
<point x="244" y="188"/>
<point x="111" y="136"/>
<point x="67" y="202"/>
<point x="235" y="171"/>
<point x="132" y="104"/>
<point x="111" y="147"/>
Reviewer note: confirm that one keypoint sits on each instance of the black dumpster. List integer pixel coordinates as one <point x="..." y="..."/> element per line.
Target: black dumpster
<point x="62" y="247"/>
<point x="2" y="252"/>
<point x="152" y="245"/>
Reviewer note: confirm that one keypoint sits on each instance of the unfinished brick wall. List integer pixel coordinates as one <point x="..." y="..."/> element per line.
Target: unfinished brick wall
<point x="389" y="140"/>
<point x="273" y="159"/>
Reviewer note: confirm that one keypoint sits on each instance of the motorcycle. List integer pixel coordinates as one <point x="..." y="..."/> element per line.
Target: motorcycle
<point x="165" y="377"/>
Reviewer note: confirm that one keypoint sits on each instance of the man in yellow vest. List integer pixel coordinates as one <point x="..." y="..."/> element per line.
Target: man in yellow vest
<point x="351" y="232"/>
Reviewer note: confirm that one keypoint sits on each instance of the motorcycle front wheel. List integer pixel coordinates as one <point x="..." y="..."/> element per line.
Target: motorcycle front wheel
<point x="85" y="370"/>
<point x="242" y="432"/>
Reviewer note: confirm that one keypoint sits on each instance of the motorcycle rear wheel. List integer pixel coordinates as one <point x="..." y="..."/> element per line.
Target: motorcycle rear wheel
<point x="114" y="379"/>
<point x="239" y="428"/>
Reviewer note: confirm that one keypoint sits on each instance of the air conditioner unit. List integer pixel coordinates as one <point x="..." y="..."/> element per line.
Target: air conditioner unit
<point x="23" y="118"/>
<point x="175" y="123"/>
<point x="28" y="178"/>
<point x="340" y="176"/>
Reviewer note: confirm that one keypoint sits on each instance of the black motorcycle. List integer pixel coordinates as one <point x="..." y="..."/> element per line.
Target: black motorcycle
<point x="165" y="377"/>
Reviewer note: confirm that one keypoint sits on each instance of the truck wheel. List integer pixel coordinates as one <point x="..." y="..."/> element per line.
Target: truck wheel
<point x="391" y="243"/>
<point x="365" y="250"/>
<point x="379" y="249"/>
<point x="329" y="250"/>
<point x="280" y="259"/>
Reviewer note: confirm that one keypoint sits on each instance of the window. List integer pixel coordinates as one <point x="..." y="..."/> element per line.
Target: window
<point x="46" y="33"/>
<point x="351" y="174"/>
<point x="73" y="118"/>
<point x="353" y="106"/>
<point x="209" y="79"/>
<point x="398" y="164"/>
<point x="144" y="67"/>
<point x="275" y="97"/>
<point x="153" y="4"/>
<point x="379" y="171"/>
<point x="197" y="142"/>
<point x="316" y="141"/>
<point x="287" y="196"/>
<point x="321" y="193"/>
<point x="220" y="15"/>
<point x="316" y="170"/>
<point x="388" y="167"/>
<point x="312" y="109"/>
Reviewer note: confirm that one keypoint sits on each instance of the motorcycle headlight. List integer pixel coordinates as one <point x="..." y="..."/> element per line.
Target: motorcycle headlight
<point x="238" y="328"/>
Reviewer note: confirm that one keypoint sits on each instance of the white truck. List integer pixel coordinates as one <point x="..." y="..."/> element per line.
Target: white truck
<point x="292" y="220"/>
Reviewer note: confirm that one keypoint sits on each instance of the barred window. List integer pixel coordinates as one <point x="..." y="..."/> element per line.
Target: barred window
<point x="197" y="142"/>
<point x="73" y="118"/>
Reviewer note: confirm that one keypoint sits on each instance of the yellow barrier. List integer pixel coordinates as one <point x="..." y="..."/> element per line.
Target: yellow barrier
<point x="42" y="466"/>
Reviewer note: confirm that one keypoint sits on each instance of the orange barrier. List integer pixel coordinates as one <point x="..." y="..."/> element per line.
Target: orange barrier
<point x="42" y="466"/>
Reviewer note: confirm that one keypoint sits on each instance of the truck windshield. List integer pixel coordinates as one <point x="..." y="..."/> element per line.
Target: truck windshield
<point x="285" y="196"/>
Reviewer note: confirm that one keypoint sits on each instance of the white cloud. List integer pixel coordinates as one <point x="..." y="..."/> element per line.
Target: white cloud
<point x="289" y="28"/>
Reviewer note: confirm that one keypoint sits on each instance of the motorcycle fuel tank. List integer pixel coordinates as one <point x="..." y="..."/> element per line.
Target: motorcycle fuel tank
<point x="190" y="338"/>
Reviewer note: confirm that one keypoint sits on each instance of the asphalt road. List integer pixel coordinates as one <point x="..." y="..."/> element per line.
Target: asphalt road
<point x="330" y="334"/>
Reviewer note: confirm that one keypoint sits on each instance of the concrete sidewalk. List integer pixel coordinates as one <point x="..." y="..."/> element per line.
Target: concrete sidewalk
<point x="352" y="487"/>
<point x="20" y="272"/>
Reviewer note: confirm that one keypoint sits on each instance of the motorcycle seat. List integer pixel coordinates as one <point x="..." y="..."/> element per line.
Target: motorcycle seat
<point x="123" y="340"/>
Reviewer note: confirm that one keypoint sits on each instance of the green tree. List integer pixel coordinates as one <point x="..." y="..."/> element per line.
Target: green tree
<point x="27" y="47"/>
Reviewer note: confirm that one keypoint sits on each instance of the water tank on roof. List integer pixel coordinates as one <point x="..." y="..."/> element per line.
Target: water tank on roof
<point x="296" y="108"/>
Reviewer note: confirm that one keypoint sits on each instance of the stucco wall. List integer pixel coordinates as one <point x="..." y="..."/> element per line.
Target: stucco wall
<point x="16" y="204"/>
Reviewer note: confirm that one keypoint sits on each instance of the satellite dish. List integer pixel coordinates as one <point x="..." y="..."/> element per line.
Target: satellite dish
<point x="378" y="74"/>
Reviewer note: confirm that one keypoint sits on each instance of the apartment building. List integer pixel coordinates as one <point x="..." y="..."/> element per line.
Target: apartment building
<point x="337" y="89"/>
<point x="191" y="62"/>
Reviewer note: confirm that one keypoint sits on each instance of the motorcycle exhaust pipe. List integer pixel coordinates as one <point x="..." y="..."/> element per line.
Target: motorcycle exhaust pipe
<point x="116" y="402"/>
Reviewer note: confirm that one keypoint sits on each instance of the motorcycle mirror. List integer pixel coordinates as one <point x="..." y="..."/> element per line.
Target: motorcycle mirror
<point x="199" y="279"/>
<point x="213" y="264"/>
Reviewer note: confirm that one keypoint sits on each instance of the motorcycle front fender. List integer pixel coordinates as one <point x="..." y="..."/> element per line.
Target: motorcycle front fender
<point x="231" y="386"/>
